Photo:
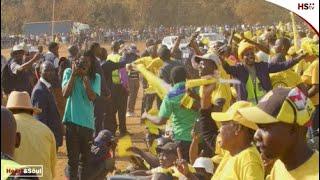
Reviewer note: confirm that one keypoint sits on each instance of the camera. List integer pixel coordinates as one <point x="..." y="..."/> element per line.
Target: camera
<point x="80" y="64"/>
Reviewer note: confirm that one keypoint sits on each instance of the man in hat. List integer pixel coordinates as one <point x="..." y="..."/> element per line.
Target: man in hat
<point x="38" y="145"/>
<point x="210" y="65"/>
<point x="283" y="116"/>
<point x="102" y="155"/>
<point x="132" y="55"/>
<point x="167" y="157"/>
<point x="15" y="74"/>
<point x="42" y="98"/>
<point x="10" y="139"/>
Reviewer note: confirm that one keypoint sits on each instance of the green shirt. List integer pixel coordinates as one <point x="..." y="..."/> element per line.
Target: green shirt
<point x="182" y="118"/>
<point x="79" y="109"/>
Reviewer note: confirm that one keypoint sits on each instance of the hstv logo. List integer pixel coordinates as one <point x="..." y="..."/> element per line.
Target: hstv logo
<point x="305" y="6"/>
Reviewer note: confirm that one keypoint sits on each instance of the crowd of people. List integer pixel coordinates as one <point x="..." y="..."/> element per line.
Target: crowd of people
<point x="243" y="108"/>
<point x="105" y="35"/>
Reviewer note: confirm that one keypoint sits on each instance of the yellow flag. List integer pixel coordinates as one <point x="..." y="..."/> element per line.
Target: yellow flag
<point x="160" y="87"/>
<point x="187" y="101"/>
<point x="199" y="82"/>
<point x="295" y="32"/>
<point x="248" y="34"/>
<point x="123" y="144"/>
<point x="155" y="65"/>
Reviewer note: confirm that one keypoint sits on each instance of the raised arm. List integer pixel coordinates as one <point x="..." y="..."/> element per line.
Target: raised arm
<point x="176" y="45"/>
<point x="284" y="65"/>
<point x="208" y="129"/>
<point x="257" y="45"/>
<point x="68" y="86"/>
<point x="28" y="64"/>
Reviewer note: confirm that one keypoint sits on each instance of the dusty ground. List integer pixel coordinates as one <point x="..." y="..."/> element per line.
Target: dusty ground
<point x="133" y="124"/>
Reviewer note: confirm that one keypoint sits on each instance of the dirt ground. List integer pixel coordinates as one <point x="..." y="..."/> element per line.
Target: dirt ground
<point x="133" y="124"/>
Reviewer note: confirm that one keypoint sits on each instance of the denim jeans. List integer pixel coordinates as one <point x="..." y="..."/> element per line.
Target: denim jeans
<point x="78" y="141"/>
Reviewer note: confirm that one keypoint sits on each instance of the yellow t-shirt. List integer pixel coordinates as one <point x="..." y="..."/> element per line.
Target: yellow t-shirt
<point x="301" y="67"/>
<point x="247" y="165"/>
<point x="38" y="145"/>
<point x="287" y="78"/>
<point x="223" y="91"/>
<point x="152" y="65"/>
<point x="307" y="171"/>
<point x="311" y="77"/>
<point x="219" y="152"/>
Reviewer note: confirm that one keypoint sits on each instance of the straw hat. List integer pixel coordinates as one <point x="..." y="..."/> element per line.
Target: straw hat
<point x="21" y="100"/>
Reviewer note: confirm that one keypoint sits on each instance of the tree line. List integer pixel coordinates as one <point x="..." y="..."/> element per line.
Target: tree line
<point x="140" y="13"/>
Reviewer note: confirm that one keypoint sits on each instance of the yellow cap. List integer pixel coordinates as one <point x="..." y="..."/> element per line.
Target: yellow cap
<point x="232" y="115"/>
<point x="247" y="34"/>
<point x="243" y="46"/>
<point x="281" y="105"/>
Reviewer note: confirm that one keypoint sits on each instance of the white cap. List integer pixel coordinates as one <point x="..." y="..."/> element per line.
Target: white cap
<point x="209" y="56"/>
<point x="33" y="49"/>
<point x="204" y="162"/>
<point x="17" y="47"/>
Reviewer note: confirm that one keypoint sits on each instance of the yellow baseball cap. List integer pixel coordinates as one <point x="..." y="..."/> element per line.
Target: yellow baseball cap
<point x="243" y="46"/>
<point x="232" y="114"/>
<point x="281" y="105"/>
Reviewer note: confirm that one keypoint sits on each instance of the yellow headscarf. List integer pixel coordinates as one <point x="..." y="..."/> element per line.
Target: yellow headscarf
<point x="243" y="46"/>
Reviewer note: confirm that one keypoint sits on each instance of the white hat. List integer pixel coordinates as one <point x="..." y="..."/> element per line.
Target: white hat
<point x="204" y="162"/>
<point x="17" y="48"/>
<point x="33" y="49"/>
<point x="209" y="56"/>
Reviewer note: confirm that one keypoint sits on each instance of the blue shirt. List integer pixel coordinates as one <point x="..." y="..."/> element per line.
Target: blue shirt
<point x="79" y="109"/>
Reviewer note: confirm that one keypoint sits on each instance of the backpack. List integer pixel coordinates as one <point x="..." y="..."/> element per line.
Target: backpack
<point x="7" y="77"/>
